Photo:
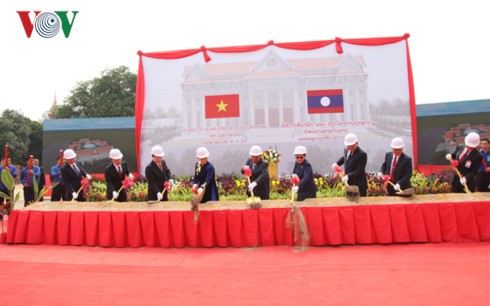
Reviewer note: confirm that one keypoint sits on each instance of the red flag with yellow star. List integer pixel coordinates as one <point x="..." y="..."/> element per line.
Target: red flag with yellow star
<point x="222" y="106"/>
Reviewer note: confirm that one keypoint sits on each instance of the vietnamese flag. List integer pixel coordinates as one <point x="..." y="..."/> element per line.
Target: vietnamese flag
<point x="222" y="106"/>
<point x="325" y="101"/>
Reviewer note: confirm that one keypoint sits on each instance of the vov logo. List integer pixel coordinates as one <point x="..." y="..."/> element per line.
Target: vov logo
<point x="47" y="24"/>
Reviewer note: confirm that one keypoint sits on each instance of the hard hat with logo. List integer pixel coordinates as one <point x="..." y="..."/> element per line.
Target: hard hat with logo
<point x="299" y="150"/>
<point x="472" y="140"/>
<point x="255" y="151"/>
<point x="157" y="151"/>
<point x="202" y="152"/>
<point x="350" y="139"/>
<point x="397" y="143"/>
<point x="69" y="154"/>
<point x="115" y="154"/>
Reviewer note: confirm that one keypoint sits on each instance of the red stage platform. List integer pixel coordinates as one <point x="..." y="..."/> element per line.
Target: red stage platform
<point x="334" y="221"/>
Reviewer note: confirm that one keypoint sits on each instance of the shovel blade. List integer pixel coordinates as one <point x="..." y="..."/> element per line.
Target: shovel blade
<point x="254" y="202"/>
<point x="406" y="193"/>
<point x="352" y="193"/>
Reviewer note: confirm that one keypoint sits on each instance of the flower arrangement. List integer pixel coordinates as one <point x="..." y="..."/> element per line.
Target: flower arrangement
<point x="231" y="187"/>
<point x="271" y="155"/>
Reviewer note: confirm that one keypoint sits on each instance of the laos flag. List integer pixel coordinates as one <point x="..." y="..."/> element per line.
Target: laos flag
<point x="325" y="101"/>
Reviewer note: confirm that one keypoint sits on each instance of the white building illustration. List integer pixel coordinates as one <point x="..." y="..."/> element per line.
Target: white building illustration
<point x="272" y="91"/>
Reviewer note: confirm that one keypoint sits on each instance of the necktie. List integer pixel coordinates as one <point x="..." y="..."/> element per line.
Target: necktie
<point x="392" y="173"/>
<point x="75" y="167"/>
<point x="463" y="156"/>
<point x="119" y="170"/>
<point x="348" y="155"/>
<point x="161" y="167"/>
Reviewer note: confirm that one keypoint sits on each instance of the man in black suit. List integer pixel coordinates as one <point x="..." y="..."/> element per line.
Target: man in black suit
<point x="398" y="166"/>
<point x="72" y="175"/>
<point x="469" y="160"/>
<point x="259" y="180"/>
<point x="157" y="173"/>
<point x="114" y="174"/>
<point x="302" y="168"/>
<point x="355" y="161"/>
<point x="204" y="174"/>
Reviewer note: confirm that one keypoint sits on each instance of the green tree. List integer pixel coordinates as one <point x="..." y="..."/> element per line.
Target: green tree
<point x="110" y="95"/>
<point x="36" y="140"/>
<point x="15" y="130"/>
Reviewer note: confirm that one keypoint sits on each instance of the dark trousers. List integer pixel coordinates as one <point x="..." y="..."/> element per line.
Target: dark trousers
<point x="456" y="186"/>
<point x="28" y="195"/>
<point x="306" y="195"/>
<point x="58" y="193"/>
<point x="483" y="180"/>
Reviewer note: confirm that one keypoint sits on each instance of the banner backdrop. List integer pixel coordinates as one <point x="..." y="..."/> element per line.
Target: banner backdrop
<point x="276" y="95"/>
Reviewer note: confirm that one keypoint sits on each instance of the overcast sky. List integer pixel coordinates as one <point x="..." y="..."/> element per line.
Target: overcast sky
<point x="449" y="40"/>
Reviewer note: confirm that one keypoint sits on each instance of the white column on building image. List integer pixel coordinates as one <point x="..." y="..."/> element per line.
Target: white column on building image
<point x="251" y="109"/>
<point x="266" y="108"/>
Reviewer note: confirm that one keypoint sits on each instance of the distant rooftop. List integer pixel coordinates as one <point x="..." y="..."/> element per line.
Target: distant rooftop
<point x="89" y="124"/>
<point x="453" y="108"/>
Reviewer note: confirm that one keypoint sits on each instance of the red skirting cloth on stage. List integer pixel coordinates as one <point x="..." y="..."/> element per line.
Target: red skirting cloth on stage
<point x="335" y="225"/>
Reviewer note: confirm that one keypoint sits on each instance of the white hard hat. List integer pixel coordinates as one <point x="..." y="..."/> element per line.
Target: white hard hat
<point x="350" y="139"/>
<point x="69" y="154"/>
<point x="299" y="150"/>
<point x="255" y="151"/>
<point x="115" y="154"/>
<point x="157" y="151"/>
<point x="472" y="140"/>
<point x="397" y="143"/>
<point x="202" y="152"/>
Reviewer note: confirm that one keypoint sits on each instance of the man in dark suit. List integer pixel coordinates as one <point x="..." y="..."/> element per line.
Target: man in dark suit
<point x="355" y="161"/>
<point x="469" y="160"/>
<point x="72" y="175"/>
<point x="259" y="180"/>
<point x="157" y="173"/>
<point x="114" y="174"/>
<point x="302" y="168"/>
<point x="204" y="174"/>
<point x="398" y="166"/>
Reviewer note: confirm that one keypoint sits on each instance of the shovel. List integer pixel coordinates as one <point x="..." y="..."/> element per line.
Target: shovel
<point x="403" y="193"/>
<point x="253" y="202"/>
<point x="195" y="203"/>
<point x="351" y="191"/>
<point x="466" y="189"/>
<point x="152" y="202"/>
<point x="295" y="221"/>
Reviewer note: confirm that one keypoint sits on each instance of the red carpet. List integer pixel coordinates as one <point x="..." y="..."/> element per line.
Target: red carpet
<point x="407" y="274"/>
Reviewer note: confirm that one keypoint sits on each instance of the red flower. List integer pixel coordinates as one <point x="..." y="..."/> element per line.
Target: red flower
<point x="85" y="183"/>
<point x="455" y="163"/>
<point x="386" y="178"/>
<point x="295" y="179"/>
<point x="127" y="183"/>
<point x="338" y="169"/>
<point x="247" y="172"/>
<point x="167" y="186"/>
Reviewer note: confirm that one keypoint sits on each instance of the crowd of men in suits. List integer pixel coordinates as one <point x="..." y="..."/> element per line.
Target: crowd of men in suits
<point x="471" y="167"/>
